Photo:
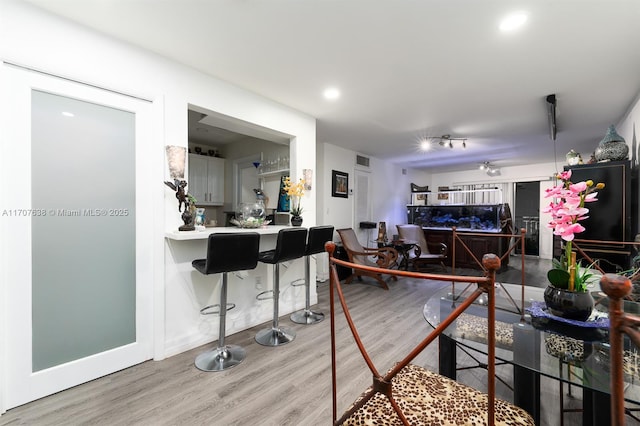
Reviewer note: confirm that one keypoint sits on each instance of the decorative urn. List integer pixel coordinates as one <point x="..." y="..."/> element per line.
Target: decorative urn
<point x="573" y="158"/>
<point x="612" y="147"/>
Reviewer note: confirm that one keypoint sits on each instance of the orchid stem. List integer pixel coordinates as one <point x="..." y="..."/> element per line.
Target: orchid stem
<point x="572" y="271"/>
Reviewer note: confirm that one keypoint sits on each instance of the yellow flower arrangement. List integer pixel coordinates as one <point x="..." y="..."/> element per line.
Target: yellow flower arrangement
<point x="294" y="192"/>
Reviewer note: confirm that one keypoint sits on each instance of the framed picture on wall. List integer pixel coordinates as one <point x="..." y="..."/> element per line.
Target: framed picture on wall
<point x="339" y="184"/>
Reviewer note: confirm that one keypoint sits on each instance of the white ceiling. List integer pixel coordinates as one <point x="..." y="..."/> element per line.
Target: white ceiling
<point x="407" y="68"/>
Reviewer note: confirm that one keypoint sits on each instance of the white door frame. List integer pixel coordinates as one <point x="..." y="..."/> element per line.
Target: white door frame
<point x="240" y="164"/>
<point x="362" y="205"/>
<point x="15" y="247"/>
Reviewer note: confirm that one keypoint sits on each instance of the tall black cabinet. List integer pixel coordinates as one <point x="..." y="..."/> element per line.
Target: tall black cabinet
<point x="613" y="217"/>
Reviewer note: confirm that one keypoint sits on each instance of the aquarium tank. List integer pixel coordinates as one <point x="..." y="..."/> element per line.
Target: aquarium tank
<point x="463" y="217"/>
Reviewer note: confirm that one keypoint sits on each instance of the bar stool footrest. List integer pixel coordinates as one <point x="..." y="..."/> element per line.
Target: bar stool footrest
<point x="299" y="282"/>
<point x="206" y="311"/>
<point x="260" y="295"/>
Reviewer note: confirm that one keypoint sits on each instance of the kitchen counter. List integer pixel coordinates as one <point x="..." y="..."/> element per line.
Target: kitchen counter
<point x="204" y="234"/>
<point x="187" y="290"/>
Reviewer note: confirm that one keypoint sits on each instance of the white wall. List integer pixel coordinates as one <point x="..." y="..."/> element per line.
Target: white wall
<point x="335" y="211"/>
<point x="35" y="39"/>
<point x="390" y="190"/>
<point x="628" y="129"/>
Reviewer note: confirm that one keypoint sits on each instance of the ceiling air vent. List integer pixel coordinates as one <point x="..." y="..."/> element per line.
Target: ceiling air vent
<point x="362" y="160"/>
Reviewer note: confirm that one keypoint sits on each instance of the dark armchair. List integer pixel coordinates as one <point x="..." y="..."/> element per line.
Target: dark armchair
<point x="382" y="257"/>
<point x="424" y="253"/>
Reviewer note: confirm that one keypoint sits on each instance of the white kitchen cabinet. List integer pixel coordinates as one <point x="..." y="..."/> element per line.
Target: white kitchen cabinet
<point x="206" y="179"/>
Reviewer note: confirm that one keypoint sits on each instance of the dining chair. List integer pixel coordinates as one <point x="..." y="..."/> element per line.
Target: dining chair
<point x="407" y="393"/>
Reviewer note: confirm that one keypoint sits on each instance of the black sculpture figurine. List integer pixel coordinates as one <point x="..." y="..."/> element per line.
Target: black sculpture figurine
<point x="183" y="200"/>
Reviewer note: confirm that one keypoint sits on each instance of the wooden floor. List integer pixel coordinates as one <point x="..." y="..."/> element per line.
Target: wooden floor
<point x="287" y="385"/>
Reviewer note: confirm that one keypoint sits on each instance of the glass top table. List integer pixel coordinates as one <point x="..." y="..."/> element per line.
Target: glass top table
<point x="535" y="343"/>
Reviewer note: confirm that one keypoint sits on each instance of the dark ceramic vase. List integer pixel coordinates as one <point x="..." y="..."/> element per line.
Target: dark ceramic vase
<point x="613" y="147"/>
<point x="296" y="220"/>
<point x="575" y="305"/>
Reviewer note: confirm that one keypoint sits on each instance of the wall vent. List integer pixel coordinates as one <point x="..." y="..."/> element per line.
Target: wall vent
<point x="361" y="160"/>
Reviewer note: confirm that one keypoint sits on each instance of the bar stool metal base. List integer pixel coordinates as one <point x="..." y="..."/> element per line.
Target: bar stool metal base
<point x="275" y="336"/>
<point x="220" y="359"/>
<point x="307" y="317"/>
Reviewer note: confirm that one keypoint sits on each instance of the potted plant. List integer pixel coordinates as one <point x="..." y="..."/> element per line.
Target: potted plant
<point x="294" y="192"/>
<point x="567" y="295"/>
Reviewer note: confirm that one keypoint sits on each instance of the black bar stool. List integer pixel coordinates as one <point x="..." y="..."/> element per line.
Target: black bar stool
<point x="290" y="245"/>
<point x="225" y="253"/>
<point x="318" y="235"/>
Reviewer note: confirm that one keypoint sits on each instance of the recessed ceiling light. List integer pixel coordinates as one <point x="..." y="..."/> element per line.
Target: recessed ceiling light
<point x="331" y="93"/>
<point x="425" y="145"/>
<point x="68" y="114"/>
<point x="513" y="21"/>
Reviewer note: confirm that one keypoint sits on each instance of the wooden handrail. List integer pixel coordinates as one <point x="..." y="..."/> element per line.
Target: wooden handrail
<point x="616" y="287"/>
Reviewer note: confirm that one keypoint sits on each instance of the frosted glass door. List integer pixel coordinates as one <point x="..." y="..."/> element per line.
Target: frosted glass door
<point x="78" y="236"/>
<point x="83" y="247"/>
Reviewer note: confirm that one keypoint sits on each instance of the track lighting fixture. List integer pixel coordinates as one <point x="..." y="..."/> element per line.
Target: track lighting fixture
<point x="491" y="170"/>
<point x="448" y="140"/>
<point x="444" y="140"/>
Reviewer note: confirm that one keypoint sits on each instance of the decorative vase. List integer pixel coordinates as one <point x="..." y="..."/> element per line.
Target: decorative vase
<point x="612" y="147"/>
<point x="251" y="215"/>
<point x="296" y="220"/>
<point x="573" y="158"/>
<point x="575" y="305"/>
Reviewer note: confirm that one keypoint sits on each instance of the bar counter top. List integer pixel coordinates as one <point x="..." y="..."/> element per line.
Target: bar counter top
<point x="204" y="234"/>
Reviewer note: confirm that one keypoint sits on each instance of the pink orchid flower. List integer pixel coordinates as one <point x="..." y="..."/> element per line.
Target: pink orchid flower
<point x="567" y="210"/>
